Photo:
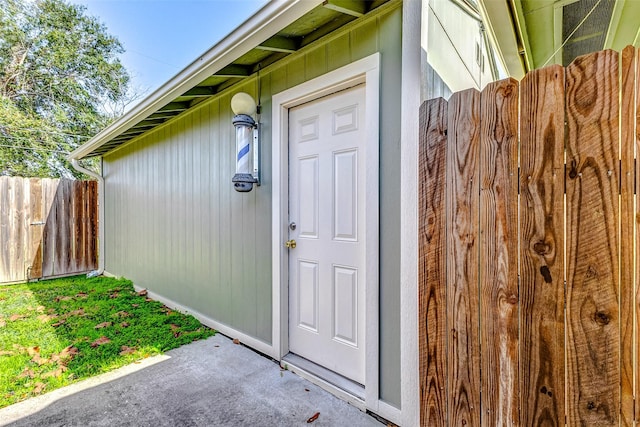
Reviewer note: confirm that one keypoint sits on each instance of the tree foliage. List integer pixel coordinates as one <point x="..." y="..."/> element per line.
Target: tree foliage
<point x="60" y="73"/>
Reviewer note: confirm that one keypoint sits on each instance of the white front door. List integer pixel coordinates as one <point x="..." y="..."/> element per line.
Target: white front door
<point x="327" y="205"/>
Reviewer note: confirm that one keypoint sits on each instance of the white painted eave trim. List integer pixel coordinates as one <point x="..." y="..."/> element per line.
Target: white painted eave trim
<point x="274" y="16"/>
<point x="497" y="20"/>
<point x="409" y="141"/>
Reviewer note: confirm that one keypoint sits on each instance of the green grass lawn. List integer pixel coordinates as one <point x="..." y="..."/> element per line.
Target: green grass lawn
<point x="56" y="332"/>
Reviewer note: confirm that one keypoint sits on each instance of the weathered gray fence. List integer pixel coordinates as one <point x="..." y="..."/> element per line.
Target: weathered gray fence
<point x="48" y="228"/>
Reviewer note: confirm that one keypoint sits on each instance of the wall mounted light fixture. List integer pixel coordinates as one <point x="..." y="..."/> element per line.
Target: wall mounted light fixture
<point x="247" y="143"/>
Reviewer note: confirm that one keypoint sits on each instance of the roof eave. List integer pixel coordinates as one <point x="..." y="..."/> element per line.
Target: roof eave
<point x="498" y="21"/>
<point x="266" y="22"/>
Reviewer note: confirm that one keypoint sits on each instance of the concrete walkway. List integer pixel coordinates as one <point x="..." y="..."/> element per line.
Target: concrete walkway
<point x="206" y="383"/>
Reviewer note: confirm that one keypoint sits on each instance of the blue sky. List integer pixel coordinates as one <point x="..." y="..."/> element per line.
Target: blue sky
<point x="161" y="37"/>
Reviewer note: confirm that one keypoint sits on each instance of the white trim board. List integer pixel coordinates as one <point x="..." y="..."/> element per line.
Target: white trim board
<point x="367" y="71"/>
<point x="410" y="107"/>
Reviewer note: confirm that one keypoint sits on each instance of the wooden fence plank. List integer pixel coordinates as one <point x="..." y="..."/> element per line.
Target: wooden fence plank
<point x="627" y="218"/>
<point x="17" y="230"/>
<point x="4" y="228"/>
<point x="498" y="257"/>
<point x="5" y="233"/>
<point x="49" y="192"/>
<point x="63" y="229"/>
<point x="432" y="263"/>
<point x="542" y="247"/>
<point x="463" y="346"/>
<point x="593" y="360"/>
<point x="21" y="202"/>
<point x="77" y="248"/>
<point x="637" y="285"/>
<point x="92" y="226"/>
<point x="36" y="227"/>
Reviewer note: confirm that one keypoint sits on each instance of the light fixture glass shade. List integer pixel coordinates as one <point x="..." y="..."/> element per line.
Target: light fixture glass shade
<point x="245" y="126"/>
<point x="243" y="103"/>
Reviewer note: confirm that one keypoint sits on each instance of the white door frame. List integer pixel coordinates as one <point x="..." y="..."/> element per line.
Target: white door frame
<point x="366" y="71"/>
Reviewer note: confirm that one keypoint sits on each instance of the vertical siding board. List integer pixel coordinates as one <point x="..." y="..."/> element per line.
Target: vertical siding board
<point x="542" y="247"/>
<point x="316" y="62"/>
<point x="295" y="71"/>
<point x="432" y="263"/>
<point x="215" y="171"/>
<point x="592" y="234"/>
<point x="463" y="346"/>
<point x="149" y="149"/>
<point x="135" y="214"/>
<point x="189" y="145"/>
<point x="174" y="219"/>
<point x="200" y="155"/>
<point x="182" y="198"/>
<point x="278" y="77"/>
<point x="364" y="40"/>
<point x="338" y="52"/>
<point x="205" y="214"/>
<point x="227" y="170"/>
<point x="262" y="247"/>
<point x="627" y="218"/>
<point x="498" y="257"/>
<point x="157" y="166"/>
<point x="164" y="203"/>
<point x="250" y="289"/>
<point x="110" y="215"/>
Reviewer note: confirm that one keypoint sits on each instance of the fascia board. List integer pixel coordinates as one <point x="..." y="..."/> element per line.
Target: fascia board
<point x="498" y="22"/>
<point x="265" y="23"/>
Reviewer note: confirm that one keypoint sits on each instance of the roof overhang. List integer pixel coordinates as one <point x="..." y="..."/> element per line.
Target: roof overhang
<point x="259" y="28"/>
<point x="533" y="34"/>
<point x="499" y="23"/>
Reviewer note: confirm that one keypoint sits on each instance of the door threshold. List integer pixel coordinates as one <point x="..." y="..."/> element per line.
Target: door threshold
<point x="330" y="381"/>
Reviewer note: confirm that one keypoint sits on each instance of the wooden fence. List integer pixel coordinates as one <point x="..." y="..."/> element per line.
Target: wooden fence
<point x="529" y="249"/>
<point x="48" y="228"/>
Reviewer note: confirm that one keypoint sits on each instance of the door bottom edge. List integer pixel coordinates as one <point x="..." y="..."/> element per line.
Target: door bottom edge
<point x="334" y="383"/>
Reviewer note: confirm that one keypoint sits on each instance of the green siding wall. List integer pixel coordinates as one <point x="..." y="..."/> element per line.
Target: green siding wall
<point x="175" y="225"/>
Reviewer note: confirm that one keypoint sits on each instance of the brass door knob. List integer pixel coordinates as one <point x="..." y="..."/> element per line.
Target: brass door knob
<point x="291" y="244"/>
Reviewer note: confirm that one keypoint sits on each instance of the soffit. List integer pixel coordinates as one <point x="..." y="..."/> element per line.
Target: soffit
<point x="315" y="24"/>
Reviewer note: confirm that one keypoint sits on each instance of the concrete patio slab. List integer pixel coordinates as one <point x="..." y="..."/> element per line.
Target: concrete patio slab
<point x="206" y="383"/>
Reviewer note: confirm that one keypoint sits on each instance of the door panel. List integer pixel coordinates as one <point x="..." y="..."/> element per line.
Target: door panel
<point x="326" y="202"/>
